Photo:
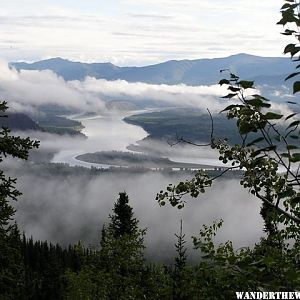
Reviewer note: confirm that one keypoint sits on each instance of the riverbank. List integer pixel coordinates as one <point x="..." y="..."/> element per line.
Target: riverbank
<point x="113" y="133"/>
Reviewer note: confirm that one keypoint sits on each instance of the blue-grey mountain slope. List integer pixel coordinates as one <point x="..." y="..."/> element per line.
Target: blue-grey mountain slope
<point x="70" y="70"/>
<point x="191" y="72"/>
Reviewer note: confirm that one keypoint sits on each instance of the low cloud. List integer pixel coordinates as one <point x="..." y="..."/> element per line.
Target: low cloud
<point x="27" y="90"/>
<point x="180" y="95"/>
<point x="71" y="207"/>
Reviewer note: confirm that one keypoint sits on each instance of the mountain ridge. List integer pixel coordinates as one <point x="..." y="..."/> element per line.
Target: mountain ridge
<point x="190" y="72"/>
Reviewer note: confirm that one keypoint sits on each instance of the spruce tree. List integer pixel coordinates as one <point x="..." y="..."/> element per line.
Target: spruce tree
<point x="11" y="264"/>
<point x="179" y="276"/>
<point x="117" y="270"/>
<point x="122" y="221"/>
<point x="121" y="254"/>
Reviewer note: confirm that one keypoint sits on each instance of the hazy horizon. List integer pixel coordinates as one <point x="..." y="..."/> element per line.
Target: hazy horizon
<point x="130" y="32"/>
<point x="145" y="65"/>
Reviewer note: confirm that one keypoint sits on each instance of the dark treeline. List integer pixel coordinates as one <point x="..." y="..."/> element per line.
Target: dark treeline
<point x="35" y="269"/>
<point x="117" y="268"/>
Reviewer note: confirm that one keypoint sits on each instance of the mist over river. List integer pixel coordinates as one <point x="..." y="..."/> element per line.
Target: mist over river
<point x="69" y="205"/>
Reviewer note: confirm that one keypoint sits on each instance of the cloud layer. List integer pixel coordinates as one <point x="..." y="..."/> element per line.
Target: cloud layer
<point x="26" y="90"/>
<point x="173" y="95"/>
<point x="66" y="209"/>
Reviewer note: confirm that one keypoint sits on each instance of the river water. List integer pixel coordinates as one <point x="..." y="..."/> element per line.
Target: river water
<point x="104" y="133"/>
<point x="110" y="132"/>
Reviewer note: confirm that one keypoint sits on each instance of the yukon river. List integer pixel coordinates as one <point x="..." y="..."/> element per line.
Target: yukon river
<point x="106" y="133"/>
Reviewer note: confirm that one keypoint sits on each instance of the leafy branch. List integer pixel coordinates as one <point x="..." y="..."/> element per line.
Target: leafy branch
<point x="269" y="152"/>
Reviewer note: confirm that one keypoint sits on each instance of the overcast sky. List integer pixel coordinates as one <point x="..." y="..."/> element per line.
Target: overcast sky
<point x="138" y="32"/>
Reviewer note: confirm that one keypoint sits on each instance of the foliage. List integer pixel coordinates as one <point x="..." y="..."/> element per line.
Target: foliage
<point x="182" y="275"/>
<point x="16" y="147"/>
<point x="12" y="277"/>
<point x="270" y="160"/>
<point x="269" y="155"/>
<point x="261" y="162"/>
<point x="11" y="265"/>
<point x="223" y="270"/>
<point x="116" y="271"/>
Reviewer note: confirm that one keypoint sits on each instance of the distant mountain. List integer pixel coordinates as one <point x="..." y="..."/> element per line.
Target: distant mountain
<point x="70" y="70"/>
<point x="191" y="72"/>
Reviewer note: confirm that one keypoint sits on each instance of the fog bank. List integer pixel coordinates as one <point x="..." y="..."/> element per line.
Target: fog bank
<point x="69" y="208"/>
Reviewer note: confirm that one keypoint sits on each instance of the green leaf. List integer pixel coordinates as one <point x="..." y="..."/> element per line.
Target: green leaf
<point x="229" y="96"/>
<point x="245" y="128"/>
<point x="286" y="5"/>
<point x="233" y="89"/>
<point x="260" y="97"/>
<point x="295" y="200"/>
<point x="224" y="81"/>
<point x="270" y="148"/>
<point x="267" y="105"/>
<point x="257" y="102"/>
<point x="255" y="141"/>
<point x="291" y="75"/>
<point x="233" y="76"/>
<point x="229" y="107"/>
<point x="255" y="153"/>
<point x="246" y="84"/>
<point x="254" y="102"/>
<point x="268" y="260"/>
<point x="292" y="147"/>
<point x="288" y="48"/>
<point x="295" y="123"/>
<point x="224" y="70"/>
<point x="296" y="87"/>
<point x="290" y="116"/>
<point x="287" y="193"/>
<point x="281" y="22"/>
<point x="289" y="6"/>
<point x="295" y="157"/>
<point x="288" y="16"/>
<point x="289" y="32"/>
<point x="272" y="116"/>
<point x="285" y="154"/>
<point x="291" y="48"/>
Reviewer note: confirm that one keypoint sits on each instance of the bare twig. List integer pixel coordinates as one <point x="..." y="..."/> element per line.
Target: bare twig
<point x="183" y="140"/>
